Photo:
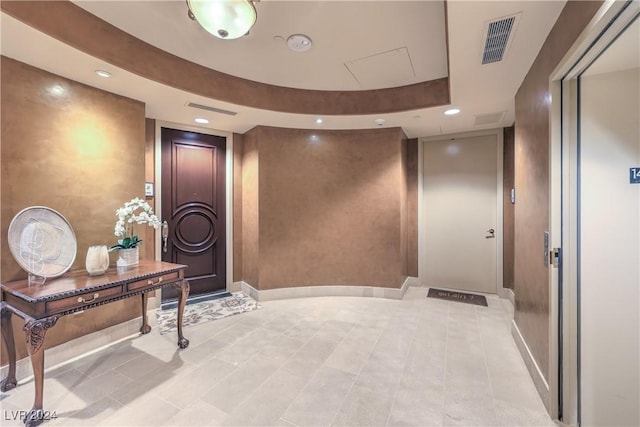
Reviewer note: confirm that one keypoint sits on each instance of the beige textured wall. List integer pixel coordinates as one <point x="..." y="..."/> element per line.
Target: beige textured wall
<point x="148" y="248"/>
<point x="532" y="180"/>
<point x="82" y="154"/>
<point x="327" y="207"/>
<point x="404" y="178"/>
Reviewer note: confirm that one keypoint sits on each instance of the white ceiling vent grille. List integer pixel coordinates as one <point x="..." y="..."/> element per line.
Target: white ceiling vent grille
<point x="489" y="118"/>
<point x="212" y="109"/>
<point x="498" y="36"/>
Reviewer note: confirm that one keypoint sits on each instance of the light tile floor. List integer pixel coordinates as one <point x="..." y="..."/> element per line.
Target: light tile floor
<point x="340" y="361"/>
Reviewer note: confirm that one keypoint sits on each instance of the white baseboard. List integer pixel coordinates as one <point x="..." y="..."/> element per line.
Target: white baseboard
<point x="78" y="347"/>
<point x="532" y="366"/>
<point x="508" y="294"/>
<point x="323" y="291"/>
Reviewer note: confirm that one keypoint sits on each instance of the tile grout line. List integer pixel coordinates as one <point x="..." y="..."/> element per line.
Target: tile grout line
<point x="357" y="377"/>
<point x="446" y="354"/>
<point x="486" y="367"/>
<point x="404" y="369"/>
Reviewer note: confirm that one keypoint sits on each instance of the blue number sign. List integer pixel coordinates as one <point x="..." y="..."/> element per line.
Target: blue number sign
<point x="634" y="175"/>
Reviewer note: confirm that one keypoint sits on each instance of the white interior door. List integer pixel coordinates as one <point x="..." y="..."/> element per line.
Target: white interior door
<point x="609" y="230"/>
<point x="461" y="213"/>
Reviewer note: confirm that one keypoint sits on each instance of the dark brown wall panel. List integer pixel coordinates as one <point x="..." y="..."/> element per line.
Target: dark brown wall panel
<point x="412" y="207"/>
<point x="532" y="180"/>
<point x="78" y="28"/>
<point x="82" y="154"/>
<point x="237" y="207"/>
<point x="508" y="207"/>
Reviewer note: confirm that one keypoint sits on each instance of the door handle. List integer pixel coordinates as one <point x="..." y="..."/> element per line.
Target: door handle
<point x="165" y="235"/>
<point x="492" y="234"/>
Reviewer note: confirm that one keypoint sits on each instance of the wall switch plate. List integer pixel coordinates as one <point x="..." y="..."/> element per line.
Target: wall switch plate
<point x="148" y="189"/>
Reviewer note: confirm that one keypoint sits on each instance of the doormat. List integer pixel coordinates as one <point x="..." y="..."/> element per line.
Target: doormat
<point x="206" y="311"/>
<point x="457" y="296"/>
<point x="194" y="299"/>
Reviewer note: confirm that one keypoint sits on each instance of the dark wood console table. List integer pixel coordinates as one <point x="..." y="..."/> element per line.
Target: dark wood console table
<point x="42" y="305"/>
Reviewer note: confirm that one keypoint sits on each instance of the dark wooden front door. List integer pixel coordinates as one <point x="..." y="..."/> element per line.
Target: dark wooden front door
<point x="193" y="204"/>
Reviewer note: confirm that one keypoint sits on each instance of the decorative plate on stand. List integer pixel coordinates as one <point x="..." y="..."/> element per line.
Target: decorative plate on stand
<point x="42" y="242"/>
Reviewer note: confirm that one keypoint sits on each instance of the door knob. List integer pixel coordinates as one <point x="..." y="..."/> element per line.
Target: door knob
<point x="492" y="234"/>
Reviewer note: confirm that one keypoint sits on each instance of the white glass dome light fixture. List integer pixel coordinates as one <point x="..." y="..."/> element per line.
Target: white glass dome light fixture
<point x="225" y="19"/>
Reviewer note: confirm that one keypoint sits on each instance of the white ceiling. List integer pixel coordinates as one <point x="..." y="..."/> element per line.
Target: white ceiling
<point x="407" y="33"/>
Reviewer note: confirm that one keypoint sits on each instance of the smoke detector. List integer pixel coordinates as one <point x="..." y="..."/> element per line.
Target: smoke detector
<point x="299" y="42"/>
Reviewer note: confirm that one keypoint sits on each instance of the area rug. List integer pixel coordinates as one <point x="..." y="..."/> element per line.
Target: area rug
<point x="457" y="296"/>
<point x="206" y="311"/>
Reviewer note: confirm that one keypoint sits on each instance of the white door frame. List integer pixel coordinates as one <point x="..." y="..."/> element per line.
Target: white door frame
<point x="501" y="292"/>
<point x="563" y="217"/>
<point x="228" y="187"/>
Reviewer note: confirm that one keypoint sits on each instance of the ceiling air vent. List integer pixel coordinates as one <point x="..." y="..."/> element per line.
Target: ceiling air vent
<point x="489" y="118"/>
<point x="498" y="36"/>
<point x="213" y="109"/>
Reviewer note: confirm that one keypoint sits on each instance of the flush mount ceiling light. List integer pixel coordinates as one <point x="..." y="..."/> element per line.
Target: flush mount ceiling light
<point x="103" y="73"/>
<point x="452" y="111"/>
<point x="201" y="120"/>
<point x="226" y="19"/>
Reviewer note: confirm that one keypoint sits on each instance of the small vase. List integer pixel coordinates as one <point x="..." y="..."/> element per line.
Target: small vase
<point x="97" y="261"/>
<point x="127" y="257"/>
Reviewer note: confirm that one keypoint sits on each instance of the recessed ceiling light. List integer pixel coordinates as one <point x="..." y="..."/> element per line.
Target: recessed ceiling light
<point x="452" y="111"/>
<point x="103" y="73"/>
<point x="201" y="120"/>
<point x="319" y="121"/>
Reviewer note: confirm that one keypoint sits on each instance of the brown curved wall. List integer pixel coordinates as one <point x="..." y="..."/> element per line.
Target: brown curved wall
<point x="78" y="28"/>
<point x="324" y="207"/>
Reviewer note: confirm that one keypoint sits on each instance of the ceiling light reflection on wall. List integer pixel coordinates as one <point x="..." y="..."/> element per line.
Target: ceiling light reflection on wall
<point x="201" y="120"/>
<point x="452" y="111"/>
<point x="225" y="19"/>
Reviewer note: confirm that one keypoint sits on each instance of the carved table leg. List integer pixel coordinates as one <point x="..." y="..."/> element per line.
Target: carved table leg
<point x="9" y="343"/>
<point x="145" y="329"/>
<point x="182" y="301"/>
<point x="35" y="334"/>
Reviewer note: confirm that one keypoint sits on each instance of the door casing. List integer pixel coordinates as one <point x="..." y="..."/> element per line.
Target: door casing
<point x="564" y="295"/>
<point x="228" y="188"/>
